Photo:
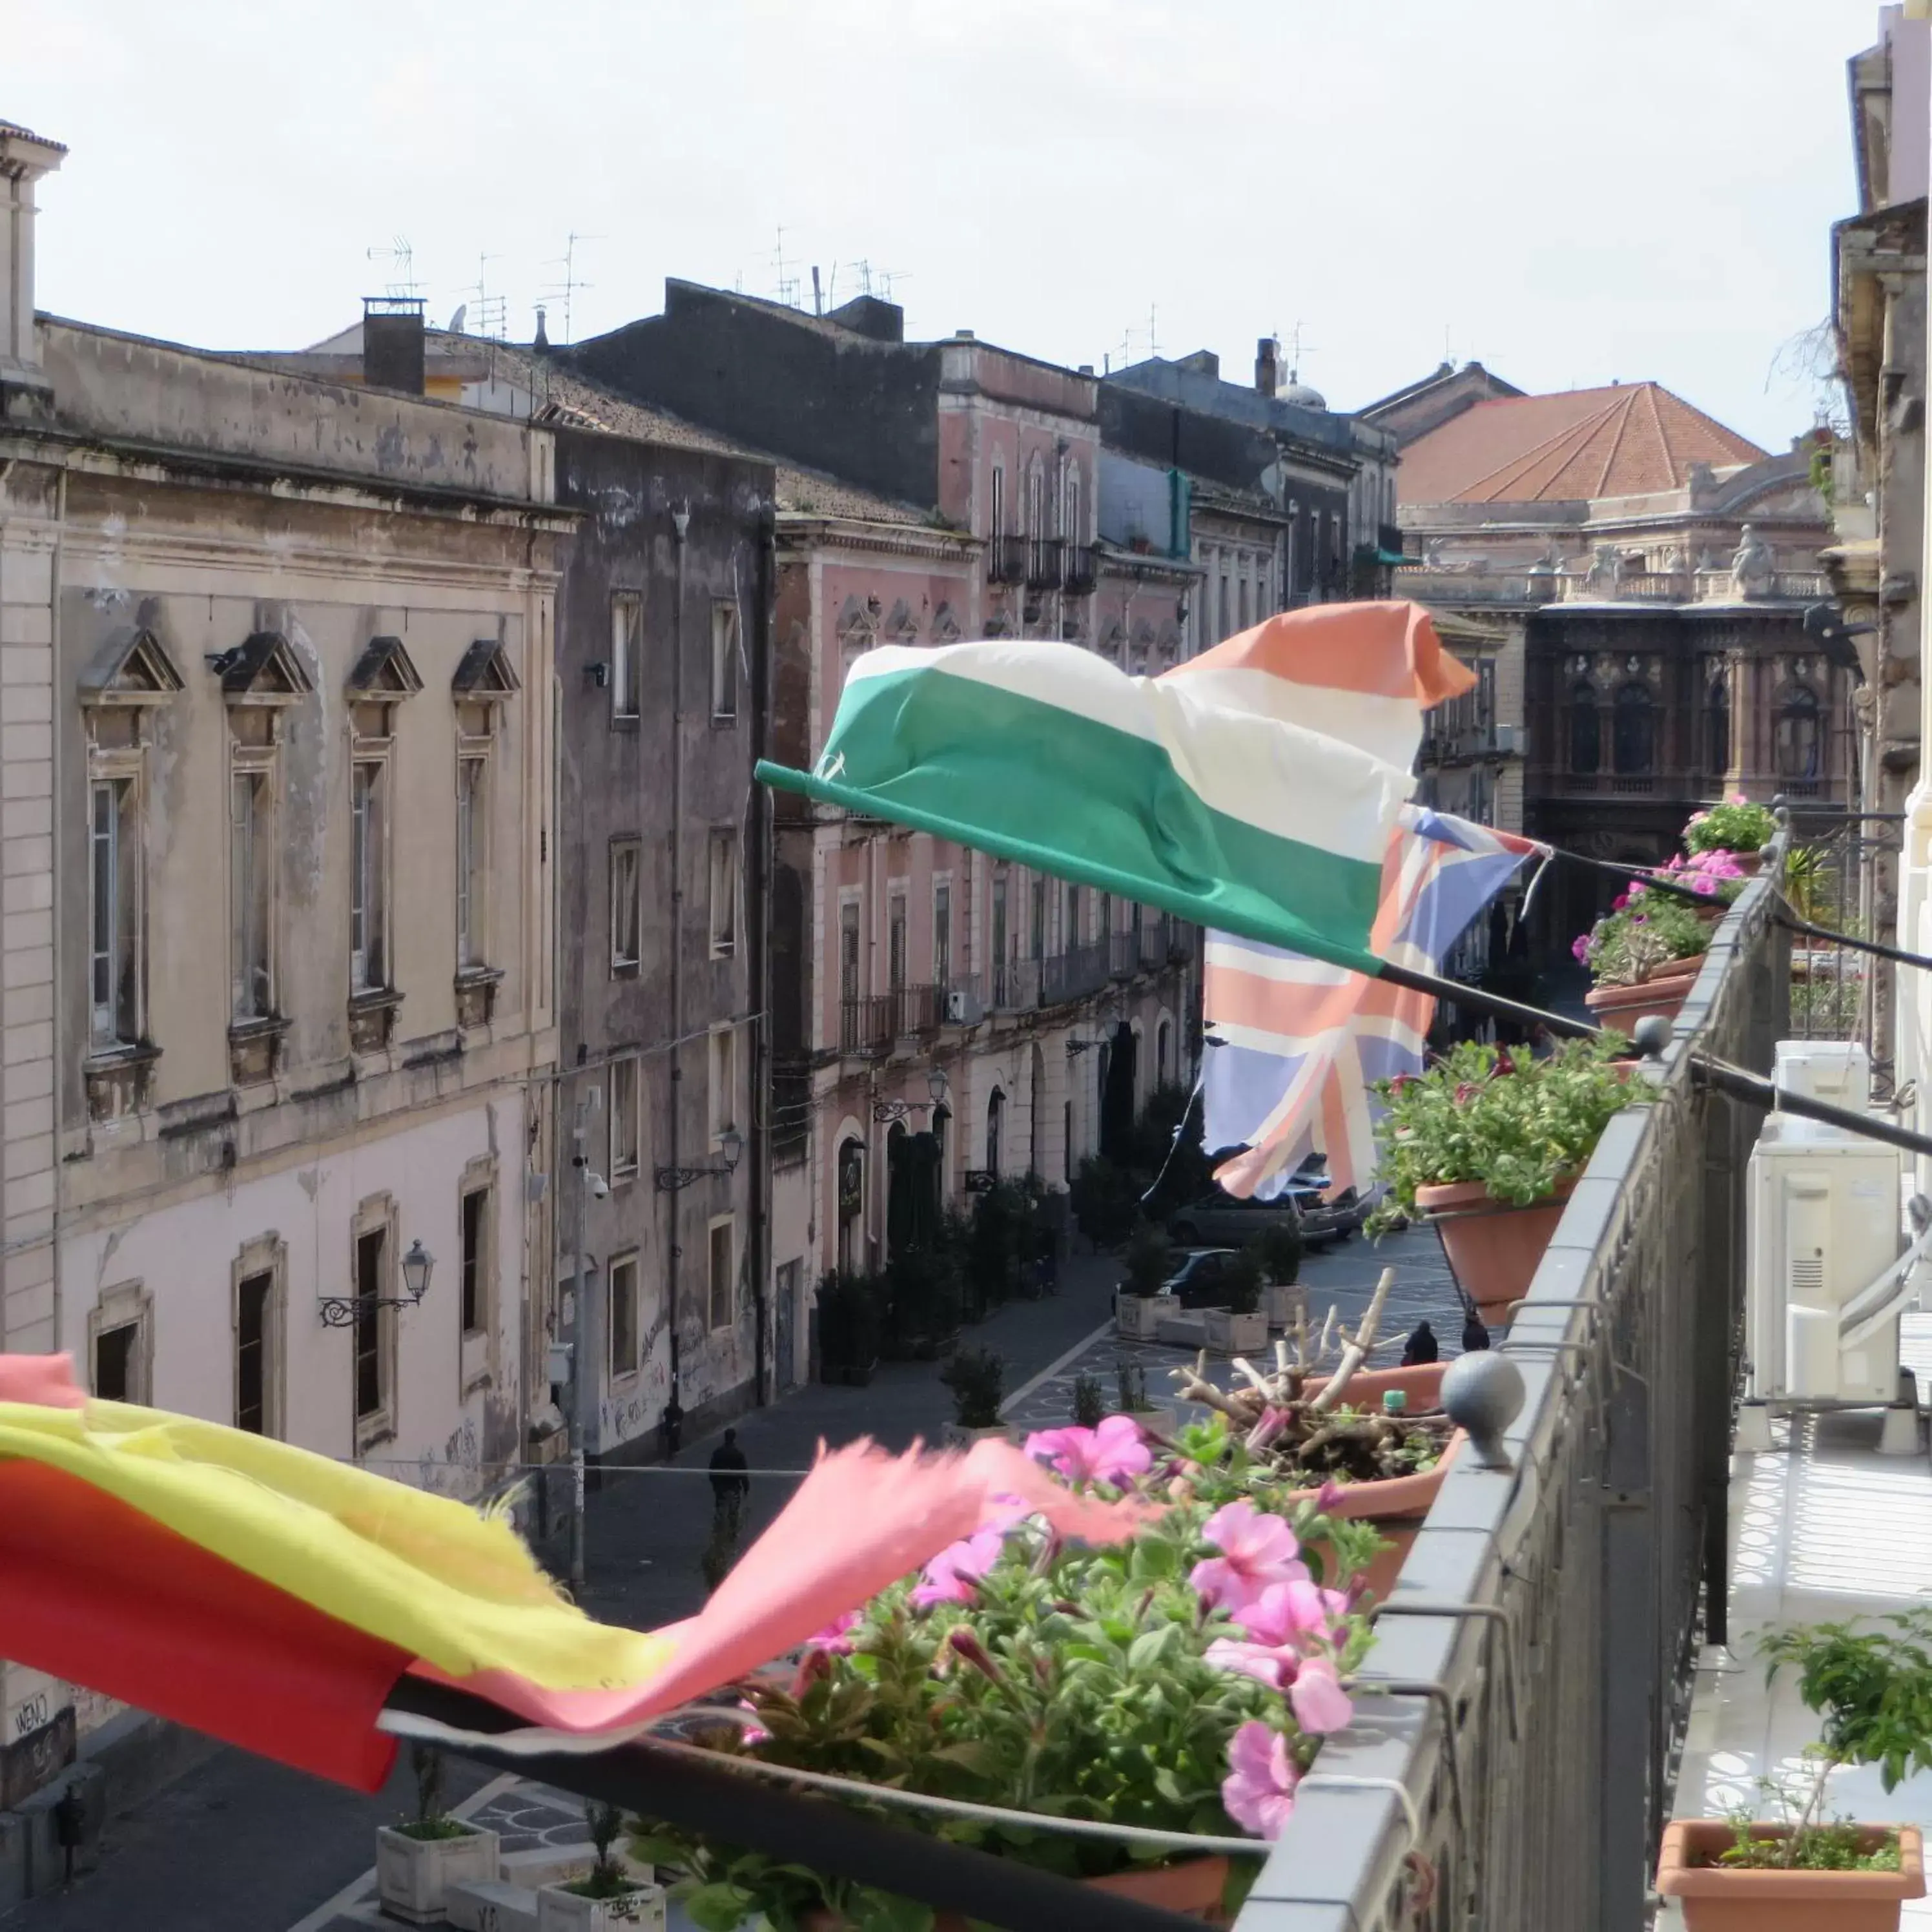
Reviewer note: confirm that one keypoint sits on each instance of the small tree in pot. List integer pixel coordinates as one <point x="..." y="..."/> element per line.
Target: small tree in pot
<point x="977" y="1378"/>
<point x="415" y="1862"/>
<point x="608" y="1896"/>
<point x="1280" y="1251"/>
<point x="1874" y="1689"/>
<point x="1147" y="1265"/>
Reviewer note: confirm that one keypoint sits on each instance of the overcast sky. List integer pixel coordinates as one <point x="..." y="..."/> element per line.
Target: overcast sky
<point x="1570" y="191"/>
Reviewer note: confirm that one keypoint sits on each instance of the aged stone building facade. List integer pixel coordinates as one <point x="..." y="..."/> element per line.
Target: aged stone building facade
<point x="1644" y="572"/>
<point x="1875" y="559"/>
<point x="947" y="1015"/>
<point x="275" y="786"/>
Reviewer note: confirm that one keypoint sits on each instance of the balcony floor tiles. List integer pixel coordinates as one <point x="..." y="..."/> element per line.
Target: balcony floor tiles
<point x="1823" y="1528"/>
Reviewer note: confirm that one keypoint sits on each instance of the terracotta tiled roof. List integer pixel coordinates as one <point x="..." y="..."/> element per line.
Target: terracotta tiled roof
<point x="1623" y="441"/>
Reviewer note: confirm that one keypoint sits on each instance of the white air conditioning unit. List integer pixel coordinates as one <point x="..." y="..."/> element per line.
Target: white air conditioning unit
<point x="1821" y="1234"/>
<point x="963" y="1007"/>
<point x="1508" y="740"/>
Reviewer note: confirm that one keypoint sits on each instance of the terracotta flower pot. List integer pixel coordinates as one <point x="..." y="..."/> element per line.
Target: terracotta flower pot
<point x="1749" y="863"/>
<point x="1717" y="1899"/>
<point x="1192" y="1889"/>
<point x="1677" y="969"/>
<point x="1422" y="1385"/>
<point x="1396" y="1506"/>
<point x="1622" y="1006"/>
<point x="1493" y="1248"/>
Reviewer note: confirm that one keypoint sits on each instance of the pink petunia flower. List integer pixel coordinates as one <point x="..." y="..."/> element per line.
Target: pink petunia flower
<point x="949" y="1577"/>
<point x="1320" y="1703"/>
<point x="1328" y="1499"/>
<point x="1466" y="1090"/>
<point x="1290" y="1612"/>
<point x="752" y="1733"/>
<point x="1266" y="1664"/>
<point x="1256" y="1549"/>
<point x="1112" y="1453"/>
<point x="1259" y="1789"/>
<point x="836" y="1639"/>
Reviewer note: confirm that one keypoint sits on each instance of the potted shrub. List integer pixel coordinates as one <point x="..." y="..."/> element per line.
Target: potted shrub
<point x="1089" y="1401"/>
<point x="1803" y="1870"/>
<point x="415" y="1862"/>
<point x="1239" y="1327"/>
<point x="1131" y="1399"/>
<point x="1488" y="1147"/>
<point x="849" y="1327"/>
<point x="1141" y="1300"/>
<point x="1642" y="954"/>
<point x="1737" y="827"/>
<point x="1280" y="1251"/>
<point x="977" y="1378"/>
<point x="1182" y="1680"/>
<point x="1106" y="1201"/>
<point x="1371" y="1448"/>
<point x="607" y="1897"/>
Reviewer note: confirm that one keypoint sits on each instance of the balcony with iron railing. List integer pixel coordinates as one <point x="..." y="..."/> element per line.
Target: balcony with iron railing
<point x="1082" y="570"/>
<point x="1005" y="559"/>
<point x="1044" y="563"/>
<point x="872" y="1024"/>
<point x="1073" y="974"/>
<point x="1517" y="1721"/>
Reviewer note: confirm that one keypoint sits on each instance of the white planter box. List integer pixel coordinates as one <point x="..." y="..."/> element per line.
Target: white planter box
<point x="955" y="1436"/>
<point x="1281" y="1305"/>
<point x="1138" y="1317"/>
<point x="1231" y="1334"/>
<point x="640" y="1910"/>
<point x="411" y="1872"/>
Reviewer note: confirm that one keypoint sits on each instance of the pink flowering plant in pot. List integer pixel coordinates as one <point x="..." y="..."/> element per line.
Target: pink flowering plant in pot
<point x="1181" y="1681"/>
<point x="1642" y="932"/>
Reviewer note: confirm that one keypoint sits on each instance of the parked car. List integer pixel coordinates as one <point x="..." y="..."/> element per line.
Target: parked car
<point x="1219" y="1216"/>
<point x="1195" y="1281"/>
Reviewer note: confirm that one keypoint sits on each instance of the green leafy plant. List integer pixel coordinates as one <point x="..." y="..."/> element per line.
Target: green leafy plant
<point x="1106" y="1200"/>
<point x="431" y="1821"/>
<point x="1146" y="1682"/>
<point x="1823" y="1844"/>
<point x="977" y="1378"/>
<point x="921" y="1294"/>
<point x="1089" y="1401"/>
<point x="1520" y="1126"/>
<point x="1148" y="1261"/>
<point x="1239" y="1289"/>
<point x="1644" y="931"/>
<point x="1279" y="1250"/>
<point x="1735" y="826"/>
<point x="851" y="1320"/>
<point x="607" y="1878"/>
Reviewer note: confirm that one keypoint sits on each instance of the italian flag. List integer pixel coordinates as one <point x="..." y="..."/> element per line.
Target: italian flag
<point x="1254" y="789"/>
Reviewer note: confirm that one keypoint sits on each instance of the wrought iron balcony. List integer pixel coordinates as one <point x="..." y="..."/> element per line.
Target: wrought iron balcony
<point x="1006" y="559"/>
<point x="1043" y="563"/>
<point x="1016" y="986"/>
<point x="1081" y="570"/>
<point x="1074" y="974"/>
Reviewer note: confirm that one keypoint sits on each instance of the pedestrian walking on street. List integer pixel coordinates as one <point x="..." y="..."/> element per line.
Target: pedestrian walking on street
<point x="729" y="1486"/>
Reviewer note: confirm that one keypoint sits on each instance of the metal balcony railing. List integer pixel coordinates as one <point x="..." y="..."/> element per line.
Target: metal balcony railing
<point x="865" y="1024"/>
<point x="1070" y="975"/>
<point x="1016" y="987"/>
<point x="1123" y="955"/>
<point x="1006" y="559"/>
<point x="1541" y="1642"/>
<point x="1082" y="571"/>
<point x="1043" y="568"/>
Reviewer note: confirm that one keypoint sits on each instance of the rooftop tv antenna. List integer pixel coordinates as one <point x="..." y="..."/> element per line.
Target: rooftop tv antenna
<point x="1296" y="349"/>
<point x="492" y="311"/>
<point x="787" y="285"/>
<point x="402" y="285"/>
<point x="572" y="281"/>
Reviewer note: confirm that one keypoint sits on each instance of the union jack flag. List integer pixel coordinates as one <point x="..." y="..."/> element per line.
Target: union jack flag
<point x="1301" y="1043"/>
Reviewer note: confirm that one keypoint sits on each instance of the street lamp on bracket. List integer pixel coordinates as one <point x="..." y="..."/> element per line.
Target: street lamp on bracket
<point x="340" y="1313"/>
<point x="731" y="1144"/>
<point x="937" y="1084"/>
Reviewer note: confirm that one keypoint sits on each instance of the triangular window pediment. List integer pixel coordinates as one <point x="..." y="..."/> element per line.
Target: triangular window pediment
<point x="902" y="627"/>
<point x="485" y="673"/>
<point x="945" y="625"/>
<point x="133" y="669"/>
<point x="384" y="671"/>
<point x="265" y="669"/>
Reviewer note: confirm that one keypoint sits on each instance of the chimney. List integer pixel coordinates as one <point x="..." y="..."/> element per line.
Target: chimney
<point x="542" y="341"/>
<point x="24" y="158"/>
<point x="392" y="343"/>
<point x="1268" y="365"/>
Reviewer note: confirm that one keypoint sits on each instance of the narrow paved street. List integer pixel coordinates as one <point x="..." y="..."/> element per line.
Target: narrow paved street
<point x="239" y="1845"/>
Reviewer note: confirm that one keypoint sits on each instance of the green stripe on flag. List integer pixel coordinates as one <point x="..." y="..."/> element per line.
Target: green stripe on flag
<point x="1053" y="789"/>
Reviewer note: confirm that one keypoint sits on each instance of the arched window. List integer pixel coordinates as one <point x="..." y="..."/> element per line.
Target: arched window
<point x="996" y="1112"/>
<point x="1633" y="746"/>
<point x="1036" y="509"/>
<point x="1718" y="727"/>
<point x="1163" y="1051"/>
<point x="1800" y="734"/>
<point x="1586" y="749"/>
<point x="1070" y="508"/>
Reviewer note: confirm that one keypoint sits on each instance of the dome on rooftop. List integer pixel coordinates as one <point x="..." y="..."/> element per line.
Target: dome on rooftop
<point x="1300" y="392"/>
